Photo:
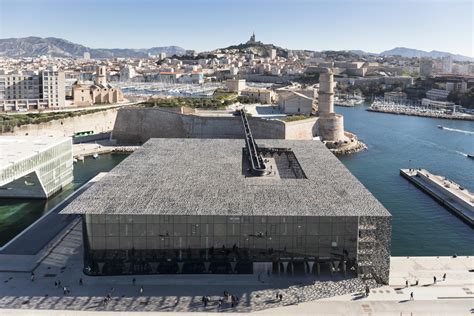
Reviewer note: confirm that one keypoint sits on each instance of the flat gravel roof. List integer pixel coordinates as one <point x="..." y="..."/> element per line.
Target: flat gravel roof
<point x="168" y="176"/>
<point x="14" y="149"/>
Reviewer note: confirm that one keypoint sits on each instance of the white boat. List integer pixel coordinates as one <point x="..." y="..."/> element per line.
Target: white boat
<point x="95" y="156"/>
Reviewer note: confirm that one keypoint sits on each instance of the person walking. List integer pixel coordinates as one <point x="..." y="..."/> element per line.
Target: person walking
<point x="134" y="281"/>
<point x="65" y="290"/>
<point x="80" y="282"/>
<point x="32" y="276"/>
<point x="367" y="291"/>
<point x="406" y="283"/>
<point x="411" y="296"/>
<point x="434" y="280"/>
<point x="141" y="290"/>
<point x="56" y="284"/>
<point x="444" y="277"/>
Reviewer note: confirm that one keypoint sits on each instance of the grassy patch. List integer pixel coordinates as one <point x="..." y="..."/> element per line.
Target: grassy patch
<point x="9" y="122"/>
<point x="197" y="103"/>
<point x="293" y="118"/>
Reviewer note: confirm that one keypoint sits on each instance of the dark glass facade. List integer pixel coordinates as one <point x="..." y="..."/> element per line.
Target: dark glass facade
<point x="151" y="244"/>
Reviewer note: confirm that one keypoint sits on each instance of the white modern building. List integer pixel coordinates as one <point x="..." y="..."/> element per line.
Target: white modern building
<point x="447" y="63"/>
<point x="127" y="73"/>
<point x="235" y="85"/>
<point x="34" y="166"/>
<point x="426" y="67"/>
<point x="438" y="105"/>
<point x="437" y="94"/>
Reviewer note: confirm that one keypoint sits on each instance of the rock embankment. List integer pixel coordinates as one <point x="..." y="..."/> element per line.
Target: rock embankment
<point x="89" y="149"/>
<point x="349" y="149"/>
<point x="352" y="145"/>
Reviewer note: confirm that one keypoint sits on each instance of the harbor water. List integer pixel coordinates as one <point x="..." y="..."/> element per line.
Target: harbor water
<point x="421" y="226"/>
<point x="16" y="214"/>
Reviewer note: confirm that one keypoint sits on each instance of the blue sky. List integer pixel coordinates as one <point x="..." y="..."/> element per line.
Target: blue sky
<point x="370" y="25"/>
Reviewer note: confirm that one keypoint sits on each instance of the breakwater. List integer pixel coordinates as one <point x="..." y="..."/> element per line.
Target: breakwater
<point x="402" y="111"/>
<point x="452" y="195"/>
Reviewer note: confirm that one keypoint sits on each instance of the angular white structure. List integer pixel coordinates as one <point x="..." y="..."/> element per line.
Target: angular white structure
<point x="34" y="167"/>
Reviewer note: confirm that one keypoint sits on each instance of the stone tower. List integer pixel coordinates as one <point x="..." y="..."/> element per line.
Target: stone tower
<point x="331" y="125"/>
<point x="101" y="75"/>
<point x="326" y="92"/>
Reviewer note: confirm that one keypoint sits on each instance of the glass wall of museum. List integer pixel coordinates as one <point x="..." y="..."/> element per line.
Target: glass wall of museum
<point x="218" y="238"/>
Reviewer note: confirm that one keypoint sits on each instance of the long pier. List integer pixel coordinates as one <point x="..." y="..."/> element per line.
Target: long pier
<point x="450" y="194"/>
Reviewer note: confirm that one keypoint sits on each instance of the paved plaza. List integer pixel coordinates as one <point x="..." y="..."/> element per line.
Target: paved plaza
<point x="182" y="293"/>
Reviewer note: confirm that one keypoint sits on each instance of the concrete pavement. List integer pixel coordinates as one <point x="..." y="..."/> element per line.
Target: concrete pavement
<point x="182" y="293"/>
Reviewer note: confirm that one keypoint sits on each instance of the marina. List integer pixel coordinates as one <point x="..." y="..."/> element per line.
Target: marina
<point x="452" y="195"/>
<point x="348" y="100"/>
<point x="415" y="110"/>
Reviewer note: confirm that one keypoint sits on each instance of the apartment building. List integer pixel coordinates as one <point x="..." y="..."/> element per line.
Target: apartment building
<point x="44" y="89"/>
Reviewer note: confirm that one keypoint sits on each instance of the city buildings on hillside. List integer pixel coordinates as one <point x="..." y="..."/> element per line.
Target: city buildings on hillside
<point x="258" y="63"/>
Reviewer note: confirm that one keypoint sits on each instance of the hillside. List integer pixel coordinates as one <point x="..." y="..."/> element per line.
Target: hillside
<point x="410" y="52"/>
<point x="256" y="48"/>
<point x="57" y="47"/>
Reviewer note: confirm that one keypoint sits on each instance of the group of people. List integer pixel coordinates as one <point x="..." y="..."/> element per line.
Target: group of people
<point x="407" y="284"/>
<point x="279" y="297"/>
<point x="416" y="283"/>
<point x="108" y="297"/>
<point x="227" y="298"/>
<point x="66" y="290"/>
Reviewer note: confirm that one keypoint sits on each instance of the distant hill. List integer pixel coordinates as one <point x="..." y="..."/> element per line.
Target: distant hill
<point x="410" y="52"/>
<point x="256" y="48"/>
<point x="57" y="47"/>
